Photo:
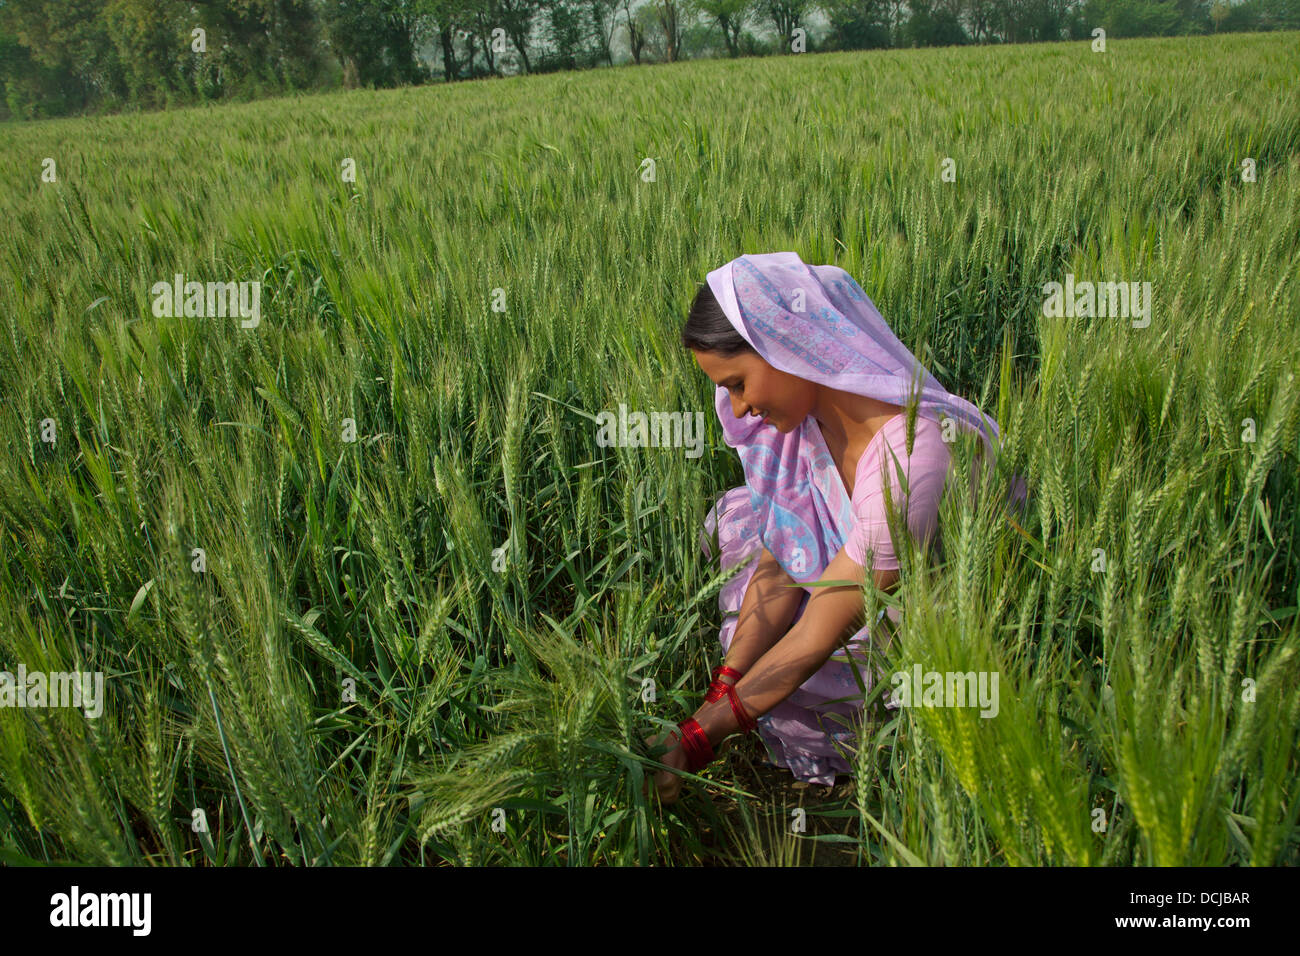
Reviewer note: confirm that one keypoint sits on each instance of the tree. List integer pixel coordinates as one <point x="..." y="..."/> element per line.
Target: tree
<point x="786" y="15"/>
<point x="254" y="45"/>
<point x="374" y="41"/>
<point x="604" y="21"/>
<point x="1218" y="13"/>
<point x="1277" y="14"/>
<point x="1134" y="18"/>
<point x="149" y="40"/>
<point x="569" y="31"/>
<point x="858" y="24"/>
<point x="516" y="18"/>
<point x="637" y="37"/>
<point x="448" y="21"/>
<point x="933" y="24"/>
<point x="68" y="44"/>
<point x="667" y="14"/>
<point x="980" y="15"/>
<point x="730" y="16"/>
<point x="485" y="21"/>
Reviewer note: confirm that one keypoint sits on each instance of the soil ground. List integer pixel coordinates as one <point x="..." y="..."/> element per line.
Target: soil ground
<point x="778" y="793"/>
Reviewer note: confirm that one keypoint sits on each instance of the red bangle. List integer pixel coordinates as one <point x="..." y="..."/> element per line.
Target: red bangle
<point x="695" y="743"/>
<point x="746" y="722"/>
<point x="718" y="689"/>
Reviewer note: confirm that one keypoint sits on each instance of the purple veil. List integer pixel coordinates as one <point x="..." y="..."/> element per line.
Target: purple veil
<point x="836" y="338"/>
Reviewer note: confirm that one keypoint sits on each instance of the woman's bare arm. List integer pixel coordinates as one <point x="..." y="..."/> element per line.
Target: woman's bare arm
<point x="833" y="615"/>
<point x="765" y="613"/>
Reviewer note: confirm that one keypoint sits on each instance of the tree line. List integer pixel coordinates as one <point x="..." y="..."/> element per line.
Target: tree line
<point x="67" y="57"/>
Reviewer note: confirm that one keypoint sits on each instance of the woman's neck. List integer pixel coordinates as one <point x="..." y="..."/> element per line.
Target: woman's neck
<point x="849" y="421"/>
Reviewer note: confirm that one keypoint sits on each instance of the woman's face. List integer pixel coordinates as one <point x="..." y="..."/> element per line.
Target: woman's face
<point x="759" y="389"/>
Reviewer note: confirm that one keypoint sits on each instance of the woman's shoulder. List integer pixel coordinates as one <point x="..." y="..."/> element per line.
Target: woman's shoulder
<point x="925" y="471"/>
<point x="927" y="437"/>
<point x="929" y="453"/>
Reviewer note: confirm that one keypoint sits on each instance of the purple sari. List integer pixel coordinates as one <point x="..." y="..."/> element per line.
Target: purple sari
<point x="817" y="323"/>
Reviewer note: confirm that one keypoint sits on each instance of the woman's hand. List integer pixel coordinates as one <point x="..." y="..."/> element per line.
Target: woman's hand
<point x="668" y="785"/>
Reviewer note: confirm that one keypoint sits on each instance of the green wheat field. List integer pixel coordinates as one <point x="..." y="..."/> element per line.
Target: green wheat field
<point x="365" y="589"/>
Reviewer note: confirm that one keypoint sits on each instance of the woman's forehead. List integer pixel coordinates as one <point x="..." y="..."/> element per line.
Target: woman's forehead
<point x="720" y="368"/>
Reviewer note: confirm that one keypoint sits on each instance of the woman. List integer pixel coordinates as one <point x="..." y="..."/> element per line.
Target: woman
<point x="814" y="392"/>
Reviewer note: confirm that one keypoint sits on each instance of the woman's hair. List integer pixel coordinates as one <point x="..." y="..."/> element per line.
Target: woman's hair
<point x="708" y="329"/>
